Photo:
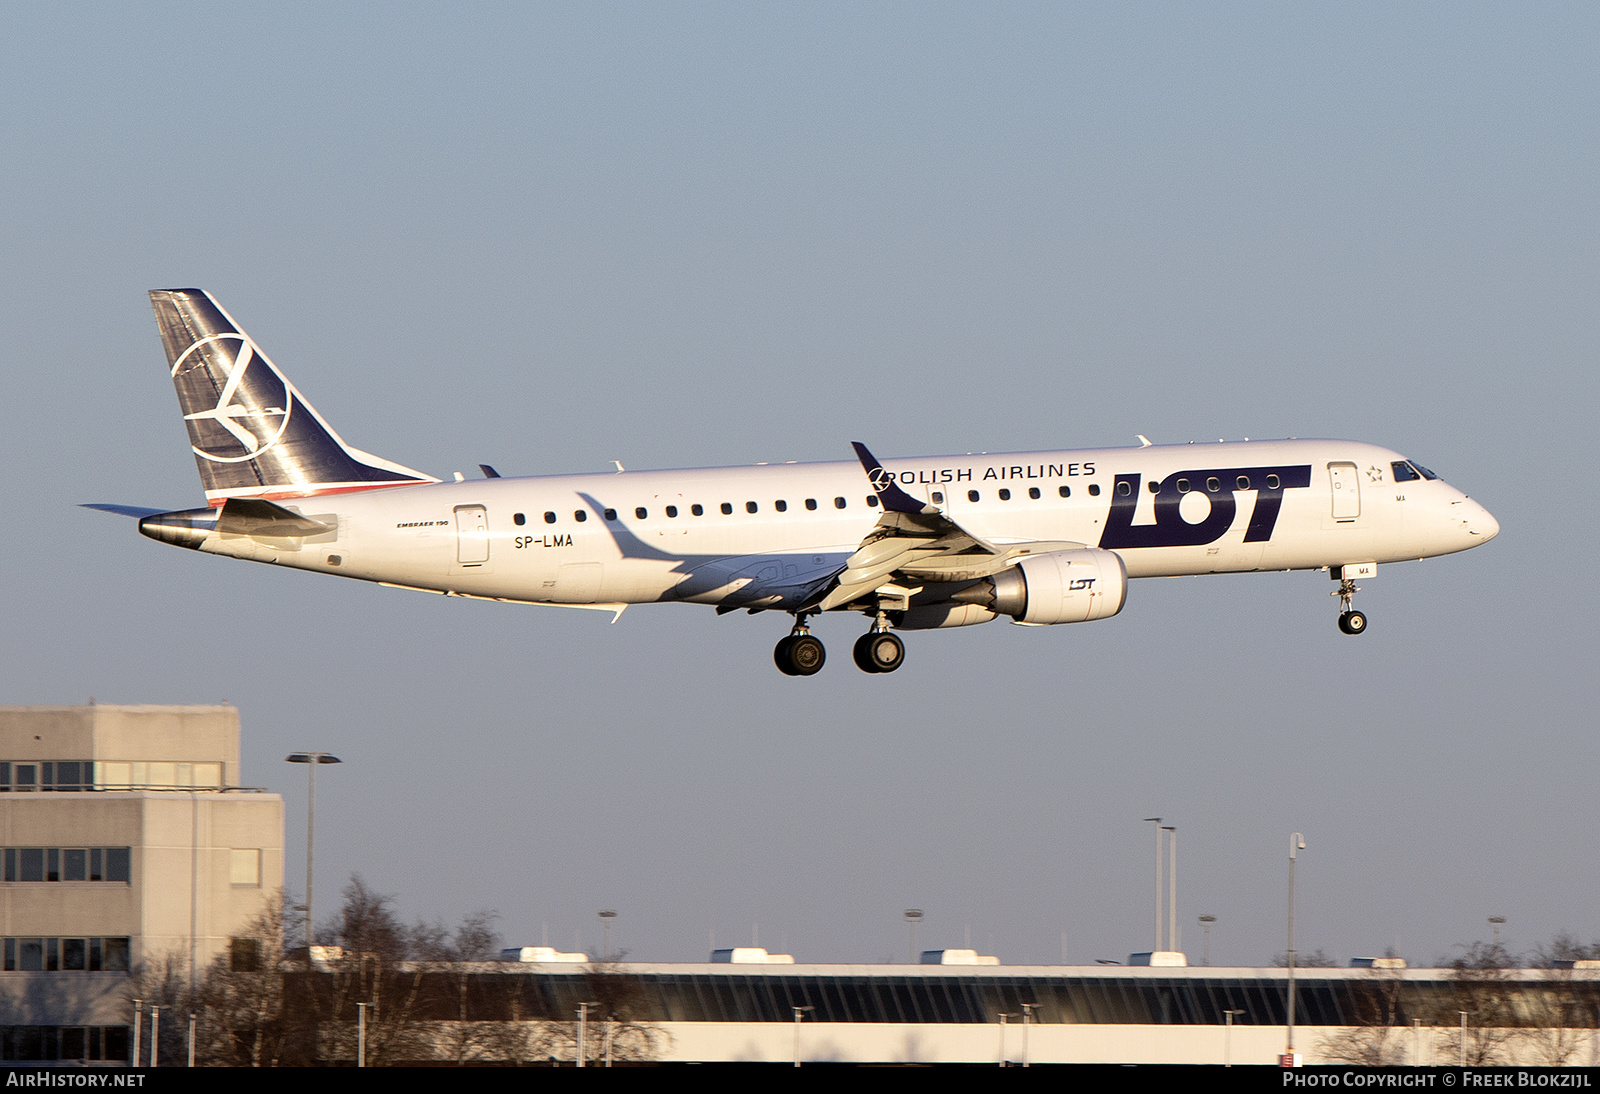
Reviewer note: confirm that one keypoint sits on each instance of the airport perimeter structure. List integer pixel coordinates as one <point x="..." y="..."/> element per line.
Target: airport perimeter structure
<point x="1026" y="1014"/>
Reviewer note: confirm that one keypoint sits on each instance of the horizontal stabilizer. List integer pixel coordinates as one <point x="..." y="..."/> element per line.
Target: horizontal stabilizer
<point x="122" y="510"/>
<point x="264" y="519"/>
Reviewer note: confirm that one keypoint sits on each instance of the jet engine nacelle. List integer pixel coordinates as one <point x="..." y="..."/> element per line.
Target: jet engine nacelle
<point x="1061" y="587"/>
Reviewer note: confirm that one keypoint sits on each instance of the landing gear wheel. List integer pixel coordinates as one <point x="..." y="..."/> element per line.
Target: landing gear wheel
<point x="879" y="651"/>
<point x="780" y="654"/>
<point x="805" y="655"/>
<point x="1352" y="622"/>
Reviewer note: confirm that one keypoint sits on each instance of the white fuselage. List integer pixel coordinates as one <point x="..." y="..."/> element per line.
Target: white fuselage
<point x="703" y="535"/>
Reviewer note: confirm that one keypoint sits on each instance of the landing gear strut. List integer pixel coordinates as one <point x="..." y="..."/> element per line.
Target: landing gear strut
<point x="1350" y="620"/>
<point x="800" y="654"/>
<point x="880" y="649"/>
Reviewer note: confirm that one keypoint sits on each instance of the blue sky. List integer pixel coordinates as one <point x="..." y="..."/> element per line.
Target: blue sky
<point x="550" y="236"/>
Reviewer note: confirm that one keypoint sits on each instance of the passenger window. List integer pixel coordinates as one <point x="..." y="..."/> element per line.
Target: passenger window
<point x="872" y="501"/>
<point x="611" y="514"/>
<point x="549" y="518"/>
<point x="1005" y="495"/>
<point x="1155" y="487"/>
<point x="972" y="495"/>
<point x="938" y="498"/>
<point x="1272" y="482"/>
<point x="672" y="510"/>
<point x="580" y="516"/>
<point x="727" y="507"/>
<point x="1124" y="488"/>
<point x="1094" y="490"/>
<point x="519" y="519"/>
<point x="641" y="512"/>
<point x="781" y="506"/>
<point x="838" y="503"/>
<point x="811" y="503"/>
<point x="1243" y="482"/>
<point x="1064" y="491"/>
<point x="1033" y="492"/>
<point x="1183" y="486"/>
<point x="1213" y="485"/>
<point x="750" y="507"/>
<point x="697" y="509"/>
<point x="1403" y="472"/>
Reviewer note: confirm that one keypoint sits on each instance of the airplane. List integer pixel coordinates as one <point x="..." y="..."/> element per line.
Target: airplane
<point x="1041" y="538"/>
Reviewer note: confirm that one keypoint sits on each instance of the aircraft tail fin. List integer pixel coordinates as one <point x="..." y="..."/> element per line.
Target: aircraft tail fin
<point x="253" y="434"/>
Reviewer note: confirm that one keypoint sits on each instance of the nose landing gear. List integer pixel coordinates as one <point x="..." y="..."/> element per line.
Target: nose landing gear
<point x="880" y="649"/>
<point x="1350" y="620"/>
<point x="800" y="654"/>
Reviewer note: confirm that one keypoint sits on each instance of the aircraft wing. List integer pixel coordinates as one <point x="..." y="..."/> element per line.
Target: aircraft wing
<point x="916" y="541"/>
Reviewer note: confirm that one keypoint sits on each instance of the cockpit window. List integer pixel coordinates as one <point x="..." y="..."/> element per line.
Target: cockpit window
<point x="1403" y="471"/>
<point x="1423" y="471"/>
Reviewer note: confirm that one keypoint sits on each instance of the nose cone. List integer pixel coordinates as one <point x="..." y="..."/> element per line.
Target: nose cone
<point x="1481" y="525"/>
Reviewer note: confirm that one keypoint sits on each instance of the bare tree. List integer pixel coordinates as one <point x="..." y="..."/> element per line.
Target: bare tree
<point x="1375" y="1036"/>
<point x="1480" y="987"/>
<point x="247" y="1017"/>
<point x="370" y="967"/>
<point x="1316" y="959"/>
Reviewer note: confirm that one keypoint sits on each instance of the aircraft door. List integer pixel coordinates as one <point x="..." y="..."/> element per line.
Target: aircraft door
<point x="472" y="535"/>
<point x="1346" y="486"/>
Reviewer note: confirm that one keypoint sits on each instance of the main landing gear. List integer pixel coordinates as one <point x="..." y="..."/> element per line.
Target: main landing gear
<point x="1350" y="620"/>
<point x="800" y="654"/>
<point x="880" y="649"/>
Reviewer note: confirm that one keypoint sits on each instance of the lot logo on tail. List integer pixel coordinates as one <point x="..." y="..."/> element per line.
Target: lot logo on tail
<point x="255" y="423"/>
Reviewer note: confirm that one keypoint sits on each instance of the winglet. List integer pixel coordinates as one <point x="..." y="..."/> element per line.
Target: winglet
<point x="893" y="498"/>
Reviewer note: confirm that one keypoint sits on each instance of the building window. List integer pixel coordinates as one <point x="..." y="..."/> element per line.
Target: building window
<point x="244" y="867"/>
<point x="244" y="954"/>
<point x="66" y="954"/>
<point x="47" y="864"/>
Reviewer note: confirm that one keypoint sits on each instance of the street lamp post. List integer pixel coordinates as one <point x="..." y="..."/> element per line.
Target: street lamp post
<point x="1227" y="1039"/>
<point x="799" y="1013"/>
<point x="913" y="917"/>
<point x="1205" y="925"/>
<point x="1156" y="945"/>
<point x="312" y="760"/>
<point x="1172" y="887"/>
<point x="1297" y="843"/>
